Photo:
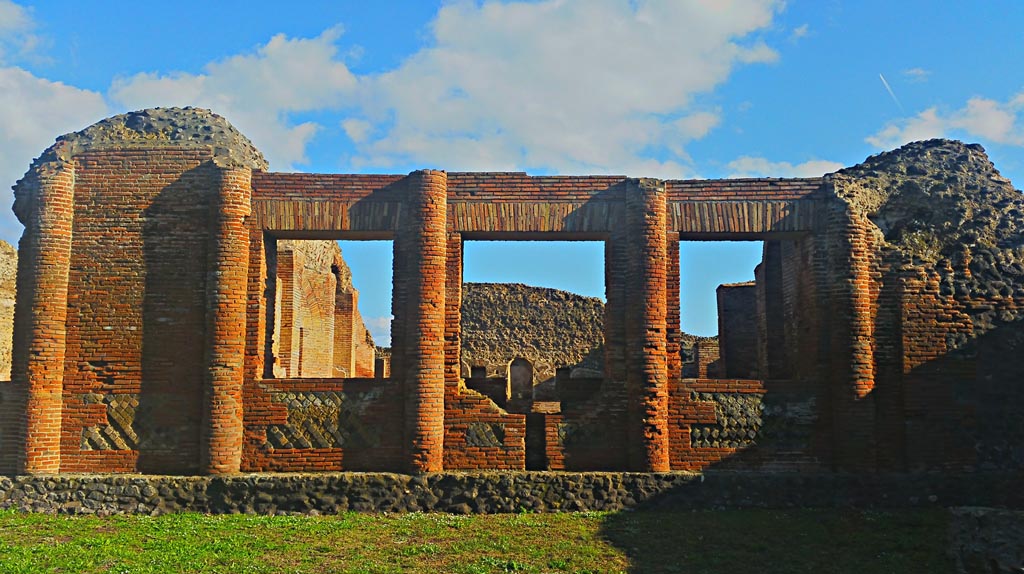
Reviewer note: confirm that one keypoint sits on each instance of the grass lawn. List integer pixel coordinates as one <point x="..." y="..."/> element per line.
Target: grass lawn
<point x="761" y="541"/>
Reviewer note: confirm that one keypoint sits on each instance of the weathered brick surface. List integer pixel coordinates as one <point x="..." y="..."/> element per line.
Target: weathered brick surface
<point x="39" y="352"/>
<point x="423" y="236"/>
<point x="160" y="326"/>
<point x="221" y="438"/>
<point x="646" y="328"/>
<point x="477" y="432"/>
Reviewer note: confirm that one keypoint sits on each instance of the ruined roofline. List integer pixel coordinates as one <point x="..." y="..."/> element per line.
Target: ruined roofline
<point x="187" y="127"/>
<point x="457" y="176"/>
<point x="194" y="127"/>
<point x="750" y="283"/>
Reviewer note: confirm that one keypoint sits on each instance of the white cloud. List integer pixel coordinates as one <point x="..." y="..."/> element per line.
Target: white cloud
<point x="917" y="74"/>
<point x="749" y="166"/>
<point x="380" y="328"/>
<point x="257" y="92"/>
<point x="586" y="86"/>
<point x="33" y="111"/>
<point x="16" y="27"/>
<point x="799" y="32"/>
<point x="357" y="130"/>
<point x="566" y="85"/>
<point x="998" y="122"/>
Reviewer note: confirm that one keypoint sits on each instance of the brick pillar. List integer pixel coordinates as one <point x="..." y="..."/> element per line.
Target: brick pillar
<point x="852" y="367"/>
<point x="646" y="327"/>
<point x="44" y="258"/>
<point x="674" y="344"/>
<point x="420" y="248"/>
<point x="345" y="304"/>
<point x="221" y="443"/>
<point x="775" y="360"/>
<point x="256" y="311"/>
<point x="453" y="314"/>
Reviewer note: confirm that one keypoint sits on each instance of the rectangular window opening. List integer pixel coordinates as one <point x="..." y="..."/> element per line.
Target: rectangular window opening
<point x="538" y="301"/>
<point x="718" y="308"/>
<point x="331" y="310"/>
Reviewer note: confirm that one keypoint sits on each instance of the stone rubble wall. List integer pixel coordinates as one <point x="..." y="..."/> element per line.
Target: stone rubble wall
<point x="989" y="540"/>
<point x="497" y="492"/>
<point x="548" y="327"/>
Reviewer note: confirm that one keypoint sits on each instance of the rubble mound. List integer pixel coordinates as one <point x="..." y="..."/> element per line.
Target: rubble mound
<point x="942" y="202"/>
<point x="548" y="327"/>
<point x="185" y="127"/>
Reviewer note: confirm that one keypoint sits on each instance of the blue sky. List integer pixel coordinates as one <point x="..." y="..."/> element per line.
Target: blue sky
<point x="657" y="88"/>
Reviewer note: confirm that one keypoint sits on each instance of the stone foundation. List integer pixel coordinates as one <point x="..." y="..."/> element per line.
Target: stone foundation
<point x="987" y="540"/>
<point x="496" y="492"/>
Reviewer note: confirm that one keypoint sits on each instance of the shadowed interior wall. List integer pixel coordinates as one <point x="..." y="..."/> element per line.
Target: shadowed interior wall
<point x="737" y="330"/>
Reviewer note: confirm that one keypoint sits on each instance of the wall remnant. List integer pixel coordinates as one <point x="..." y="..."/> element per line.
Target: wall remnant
<point x="319" y="331"/>
<point x="737" y="306"/>
<point x="8" y="278"/>
<point x="503" y="492"/>
<point x="548" y="327"/>
<point x="152" y="334"/>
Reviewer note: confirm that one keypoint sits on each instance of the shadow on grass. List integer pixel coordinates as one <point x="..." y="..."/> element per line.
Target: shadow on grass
<point x="790" y="541"/>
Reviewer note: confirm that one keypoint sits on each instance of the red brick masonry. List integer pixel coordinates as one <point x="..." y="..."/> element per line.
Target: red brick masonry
<point x="145" y="325"/>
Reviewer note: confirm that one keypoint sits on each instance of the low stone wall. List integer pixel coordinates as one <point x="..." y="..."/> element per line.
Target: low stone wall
<point x="494" y="492"/>
<point x="987" y="540"/>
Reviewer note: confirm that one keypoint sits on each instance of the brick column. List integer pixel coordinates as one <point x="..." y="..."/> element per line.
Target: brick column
<point x="674" y="341"/>
<point x="421" y="315"/>
<point x="226" y="288"/>
<point x="776" y="359"/>
<point x="852" y="376"/>
<point x="44" y="258"/>
<point x="646" y="327"/>
<point x="453" y="314"/>
<point x="345" y="304"/>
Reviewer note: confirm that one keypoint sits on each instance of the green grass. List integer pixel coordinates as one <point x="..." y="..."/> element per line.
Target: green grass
<point x="761" y="541"/>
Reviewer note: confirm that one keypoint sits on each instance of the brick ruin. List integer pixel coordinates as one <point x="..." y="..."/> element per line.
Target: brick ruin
<point x="318" y="331"/>
<point x="882" y="331"/>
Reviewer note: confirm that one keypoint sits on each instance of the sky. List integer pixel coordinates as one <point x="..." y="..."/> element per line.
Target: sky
<point x="653" y="88"/>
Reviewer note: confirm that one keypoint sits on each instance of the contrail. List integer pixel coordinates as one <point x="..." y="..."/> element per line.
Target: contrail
<point x="889" y="89"/>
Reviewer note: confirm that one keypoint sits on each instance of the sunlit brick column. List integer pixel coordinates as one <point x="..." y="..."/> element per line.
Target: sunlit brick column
<point x="423" y="249"/>
<point x="345" y="304"/>
<point x="221" y="446"/>
<point x="852" y="369"/>
<point x="45" y="204"/>
<point x="646" y="326"/>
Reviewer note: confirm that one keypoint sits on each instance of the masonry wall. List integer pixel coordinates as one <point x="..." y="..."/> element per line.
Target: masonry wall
<point x="737" y="330"/>
<point x="323" y="424"/>
<point x="502" y="492"/>
<point x="200" y="345"/>
<point x="306" y="290"/>
<point x="134" y="364"/>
